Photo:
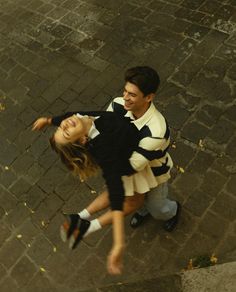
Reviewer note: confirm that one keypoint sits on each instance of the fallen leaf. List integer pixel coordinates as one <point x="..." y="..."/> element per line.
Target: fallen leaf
<point x="42" y="269"/>
<point x="93" y="192"/>
<point x="19" y="236"/>
<point x="200" y="143"/>
<point x="213" y="259"/>
<point x="190" y="265"/>
<point x="54" y="249"/>
<point x="6" y="167"/>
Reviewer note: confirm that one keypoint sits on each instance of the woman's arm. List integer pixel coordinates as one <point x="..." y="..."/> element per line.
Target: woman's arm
<point x="114" y="260"/>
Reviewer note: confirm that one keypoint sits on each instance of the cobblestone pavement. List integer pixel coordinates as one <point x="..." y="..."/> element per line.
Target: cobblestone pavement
<point x="58" y="55"/>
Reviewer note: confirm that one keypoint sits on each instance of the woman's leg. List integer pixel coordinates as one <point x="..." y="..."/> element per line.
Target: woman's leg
<point x="101" y="202"/>
<point x="131" y="204"/>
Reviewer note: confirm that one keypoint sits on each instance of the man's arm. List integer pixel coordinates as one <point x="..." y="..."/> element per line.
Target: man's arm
<point x="149" y="149"/>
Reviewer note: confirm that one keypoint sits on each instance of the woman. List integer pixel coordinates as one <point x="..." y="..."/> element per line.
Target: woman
<point x="85" y="143"/>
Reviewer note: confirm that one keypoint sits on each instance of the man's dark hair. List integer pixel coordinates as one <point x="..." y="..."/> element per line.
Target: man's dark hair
<point x="144" y="77"/>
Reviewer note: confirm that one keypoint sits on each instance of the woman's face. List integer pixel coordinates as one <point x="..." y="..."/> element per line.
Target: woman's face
<point x="71" y="130"/>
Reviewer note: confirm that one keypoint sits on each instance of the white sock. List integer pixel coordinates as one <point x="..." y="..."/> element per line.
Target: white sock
<point x="94" y="226"/>
<point x="84" y="214"/>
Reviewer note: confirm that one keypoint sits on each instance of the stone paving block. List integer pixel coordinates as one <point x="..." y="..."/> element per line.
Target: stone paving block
<point x="23" y="271"/>
<point x="201" y="162"/>
<point x="10" y="252"/>
<point x="188" y="69"/>
<point x="17" y="215"/>
<point x="217" y="66"/>
<point x="47" y="159"/>
<point x="50" y="179"/>
<point x="7" y="178"/>
<point x="230" y="187"/>
<point x="28" y="231"/>
<point x="230" y="149"/>
<point x="55" y="268"/>
<point x="198" y="202"/>
<point x="222" y="131"/>
<point x="34" y="173"/>
<point x="8" y="154"/>
<point x="84" y="81"/>
<point x="213" y="226"/>
<point x="40" y="283"/>
<point x="194" y="132"/>
<point x="226" y="250"/>
<point x="182" y="154"/>
<point x="2" y="272"/>
<point x="7" y="200"/>
<point x="19" y="188"/>
<point x="24" y="140"/>
<point x="208" y="115"/>
<point x="225" y="206"/>
<point x="9" y="285"/>
<point x="79" y="200"/>
<point x="213" y="183"/>
<point x="67" y="186"/>
<point x="40" y="250"/>
<point x="176" y="115"/>
<point x="33" y="197"/>
<point x="5" y="233"/>
<point x="184" y="229"/>
<point x="87" y="280"/>
<point x="47" y="210"/>
<point x="58" y="87"/>
<point x="231" y="113"/>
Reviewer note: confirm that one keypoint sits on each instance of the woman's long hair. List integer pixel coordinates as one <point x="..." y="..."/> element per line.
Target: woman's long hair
<point x="76" y="158"/>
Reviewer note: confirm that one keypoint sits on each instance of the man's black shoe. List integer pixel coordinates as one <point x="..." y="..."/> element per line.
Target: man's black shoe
<point x="170" y="224"/>
<point x="137" y="220"/>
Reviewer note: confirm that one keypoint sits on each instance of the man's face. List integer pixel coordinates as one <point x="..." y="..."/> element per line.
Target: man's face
<point x="71" y="129"/>
<point x="135" y="101"/>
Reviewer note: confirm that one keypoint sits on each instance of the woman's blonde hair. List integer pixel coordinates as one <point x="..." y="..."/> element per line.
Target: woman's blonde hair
<point x="76" y="158"/>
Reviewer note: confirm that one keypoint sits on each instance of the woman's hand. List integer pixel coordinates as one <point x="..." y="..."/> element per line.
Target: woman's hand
<point x="114" y="260"/>
<point x="41" y="123"/>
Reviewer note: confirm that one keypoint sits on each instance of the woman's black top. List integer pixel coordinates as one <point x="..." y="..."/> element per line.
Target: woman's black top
<point x="111" y="149"/>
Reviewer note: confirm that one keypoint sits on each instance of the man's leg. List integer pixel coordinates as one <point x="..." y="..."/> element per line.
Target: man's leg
<point x="160" y="207"/>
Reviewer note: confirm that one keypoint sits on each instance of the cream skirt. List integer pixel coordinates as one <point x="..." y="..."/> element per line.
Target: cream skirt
<point x="140" y="182"/>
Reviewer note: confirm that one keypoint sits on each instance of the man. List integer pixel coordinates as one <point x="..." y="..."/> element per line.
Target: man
<point x="141" y="84"/>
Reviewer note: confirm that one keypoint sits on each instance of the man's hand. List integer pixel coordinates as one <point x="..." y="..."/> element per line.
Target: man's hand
<point x="114" y="260"/>
<point x="41" y="123"/>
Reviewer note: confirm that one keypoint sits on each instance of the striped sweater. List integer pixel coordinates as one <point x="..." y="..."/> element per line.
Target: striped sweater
<point x="154" y="141"/>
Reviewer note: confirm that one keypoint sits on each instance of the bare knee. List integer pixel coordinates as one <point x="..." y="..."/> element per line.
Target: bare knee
<point x="134" y="202"/>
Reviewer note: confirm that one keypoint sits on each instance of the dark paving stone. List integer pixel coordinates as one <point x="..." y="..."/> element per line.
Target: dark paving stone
<point x="213" y="183"/>
<point x="39" y="283"/>
<point x="222" y="131"/>
<point x="167" y="284"/>
<point x="10" y="252"/>
<point x="23" y="271"/>
<point x="201" y="163"/>
<point x="194" y="132"/>
<point x="8" y="285"/>
<point x="213" y="226"/>
<point x="225" y="206"/>
<point x="198" y="202"/>
<point x="40" y="250"/>
<point x="188" y="69"/>
<point x="176" y="115"/>
<point x="20" y="187"/>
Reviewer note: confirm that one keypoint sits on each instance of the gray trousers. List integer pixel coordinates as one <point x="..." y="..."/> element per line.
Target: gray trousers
<point x="158" y="205"/>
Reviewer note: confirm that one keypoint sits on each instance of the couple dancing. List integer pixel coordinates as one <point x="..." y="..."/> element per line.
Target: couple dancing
<point x="129" y="143"/>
